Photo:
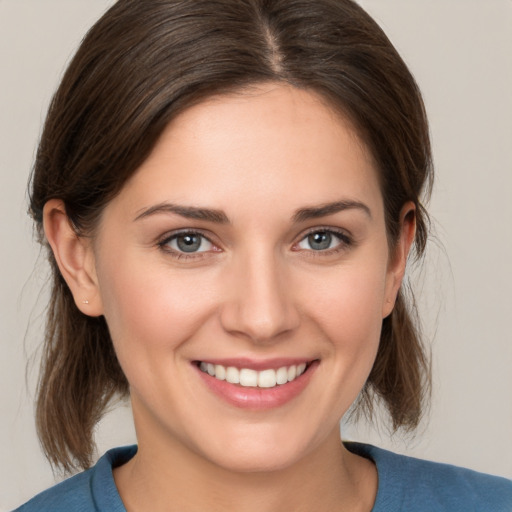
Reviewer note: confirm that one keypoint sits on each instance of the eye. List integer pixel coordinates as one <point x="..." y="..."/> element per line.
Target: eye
<point x="187" y="243"/>
<point x="323" y="240"/>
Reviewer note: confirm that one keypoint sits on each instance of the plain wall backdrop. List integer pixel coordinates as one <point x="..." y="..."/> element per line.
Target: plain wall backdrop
<point x="461" y="54"/>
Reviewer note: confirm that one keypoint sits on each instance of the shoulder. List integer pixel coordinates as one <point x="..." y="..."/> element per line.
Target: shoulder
<point x="72" y="494"/>
<point x="407" y="483"/>
<point x="92" y="490"/>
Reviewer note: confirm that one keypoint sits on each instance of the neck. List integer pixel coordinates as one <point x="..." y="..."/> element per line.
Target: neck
<point x="176" y="479"/>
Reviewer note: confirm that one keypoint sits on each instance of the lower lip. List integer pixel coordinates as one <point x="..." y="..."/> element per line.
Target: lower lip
<point x="258" y="398"/>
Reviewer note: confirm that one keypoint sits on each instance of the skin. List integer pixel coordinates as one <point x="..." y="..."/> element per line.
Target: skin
<point x="256" y="289"/>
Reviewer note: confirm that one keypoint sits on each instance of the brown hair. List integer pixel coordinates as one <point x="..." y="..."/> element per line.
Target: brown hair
<point x="141" y="64"/>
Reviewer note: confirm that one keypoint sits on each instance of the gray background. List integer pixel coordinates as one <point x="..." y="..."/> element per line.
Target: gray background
<point x="461" y="54"/>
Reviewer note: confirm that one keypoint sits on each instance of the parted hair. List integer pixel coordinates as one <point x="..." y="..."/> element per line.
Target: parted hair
<point x="140" y="65"/>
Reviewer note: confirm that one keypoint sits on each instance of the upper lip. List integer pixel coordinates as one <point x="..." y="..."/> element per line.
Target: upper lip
<point x="258" y="365"/>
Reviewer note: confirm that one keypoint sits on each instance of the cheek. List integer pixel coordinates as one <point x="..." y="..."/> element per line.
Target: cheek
<point x="350" y="301"/>
<point x="348" y="309"/>
<point x="150" y="308"/>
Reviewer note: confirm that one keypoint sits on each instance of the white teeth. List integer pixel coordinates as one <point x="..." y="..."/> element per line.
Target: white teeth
<point x="252" y="378"/>
<point x="220" y="372"/>
<point x="248" y="377"/>
<point x="232" y="375"/>
<point x="282" y="375"/>
<point x="267" y="379"/>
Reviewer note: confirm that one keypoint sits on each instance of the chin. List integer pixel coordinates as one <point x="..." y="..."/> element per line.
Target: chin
<point x="256" y="462"/>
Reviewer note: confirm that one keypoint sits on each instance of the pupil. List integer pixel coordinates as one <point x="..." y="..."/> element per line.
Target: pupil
<point x="320" y="241"/>
<point x="189" y="243"/>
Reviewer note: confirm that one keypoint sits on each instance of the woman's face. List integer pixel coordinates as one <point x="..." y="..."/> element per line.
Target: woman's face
<point x="251" y="244"/>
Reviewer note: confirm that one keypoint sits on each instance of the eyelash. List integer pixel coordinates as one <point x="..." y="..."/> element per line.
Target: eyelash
<point x="164" y="245"/>
<point x="345" y="241"/>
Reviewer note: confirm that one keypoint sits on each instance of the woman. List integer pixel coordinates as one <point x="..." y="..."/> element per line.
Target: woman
<point x="230" y="191"/>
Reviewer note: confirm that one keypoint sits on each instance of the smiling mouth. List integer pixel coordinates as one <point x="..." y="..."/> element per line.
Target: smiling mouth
<point x="247" y="377"/>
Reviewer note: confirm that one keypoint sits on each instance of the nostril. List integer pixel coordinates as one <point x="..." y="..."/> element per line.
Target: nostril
<point x="259" y="325"/>
<point x="260" y="305"/>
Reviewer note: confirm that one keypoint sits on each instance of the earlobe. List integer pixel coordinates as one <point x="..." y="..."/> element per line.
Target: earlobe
<point x="398" y="261"/>
<point x="74" y="257"/>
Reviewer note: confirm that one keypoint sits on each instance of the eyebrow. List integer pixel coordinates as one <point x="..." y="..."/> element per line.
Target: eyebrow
<point x="219" y="217"/>
<point x="323" y="210"/>
<point x="189" y="212"/>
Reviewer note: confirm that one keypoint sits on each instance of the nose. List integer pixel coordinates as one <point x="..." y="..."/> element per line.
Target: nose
<point x="261" y="305"/>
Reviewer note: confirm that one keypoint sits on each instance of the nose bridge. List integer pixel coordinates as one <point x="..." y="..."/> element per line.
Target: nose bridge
<point x="261" y="305"/>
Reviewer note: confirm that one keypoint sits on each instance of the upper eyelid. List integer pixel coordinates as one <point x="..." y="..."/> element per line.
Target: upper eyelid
<point x="173" y="234"/>
<point x="163" y="245"/>
<point x="329" y="229"/>
<point x="346" y="241"/>
<point x="340" y="232"/>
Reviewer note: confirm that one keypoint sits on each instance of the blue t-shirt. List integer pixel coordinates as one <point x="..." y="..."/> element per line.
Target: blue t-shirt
<point x="405" y="484"/>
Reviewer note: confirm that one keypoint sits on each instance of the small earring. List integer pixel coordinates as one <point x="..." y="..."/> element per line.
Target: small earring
<point x="85" y="302"/>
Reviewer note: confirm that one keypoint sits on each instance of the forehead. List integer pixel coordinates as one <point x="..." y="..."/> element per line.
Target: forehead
<point x="273" y="144"/>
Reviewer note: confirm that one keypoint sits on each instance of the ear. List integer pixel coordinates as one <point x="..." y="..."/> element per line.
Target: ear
<point x="75" y="257"/>
<point x="398" y="259"/>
